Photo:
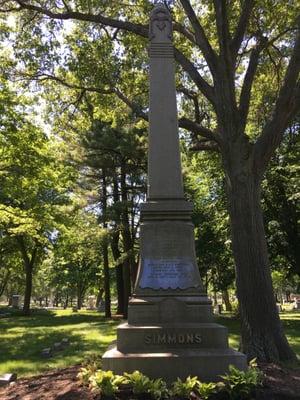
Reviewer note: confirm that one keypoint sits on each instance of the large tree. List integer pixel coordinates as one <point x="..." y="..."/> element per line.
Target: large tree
<point x="225" y="50"/>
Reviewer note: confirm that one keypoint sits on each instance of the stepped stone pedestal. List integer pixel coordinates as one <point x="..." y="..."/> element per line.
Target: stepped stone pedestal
<point x="170" y="331"/>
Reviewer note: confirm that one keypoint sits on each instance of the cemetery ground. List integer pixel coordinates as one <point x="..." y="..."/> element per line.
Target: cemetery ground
<point x="89" y="333"/>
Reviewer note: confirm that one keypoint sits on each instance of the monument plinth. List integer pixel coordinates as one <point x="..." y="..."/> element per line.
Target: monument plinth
<point x="170" y="331"/>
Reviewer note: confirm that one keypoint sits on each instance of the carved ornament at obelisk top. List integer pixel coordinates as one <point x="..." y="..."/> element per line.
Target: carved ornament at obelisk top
<point x="160" y="25"/>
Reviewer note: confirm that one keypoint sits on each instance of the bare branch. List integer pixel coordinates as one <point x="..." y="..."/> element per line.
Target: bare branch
<point x="241" y="26"/>
<point x="201" y="39"/>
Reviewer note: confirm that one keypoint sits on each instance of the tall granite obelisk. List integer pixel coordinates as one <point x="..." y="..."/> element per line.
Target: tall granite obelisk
<point x="170" y="332"/>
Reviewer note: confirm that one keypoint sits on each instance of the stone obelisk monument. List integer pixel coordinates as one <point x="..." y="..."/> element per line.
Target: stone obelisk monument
<point x="170" y="332"/>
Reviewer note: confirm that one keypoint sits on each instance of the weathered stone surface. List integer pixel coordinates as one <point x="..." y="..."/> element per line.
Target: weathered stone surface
<point x="168" y="259"/>
<point x="57" y="346"/>
<point x="170" y="332"/>
<point x="15" y="300"/>
<point x="208" y="364"/>
<point x="145" y="339"/>
<point x="5" y="379"/>
<point x="149" y="310"/>
<point x="46" y="353"/>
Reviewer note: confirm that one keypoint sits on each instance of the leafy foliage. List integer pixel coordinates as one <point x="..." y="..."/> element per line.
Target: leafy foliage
<point x="183" y="389"/>
<point x="240" y="384"/>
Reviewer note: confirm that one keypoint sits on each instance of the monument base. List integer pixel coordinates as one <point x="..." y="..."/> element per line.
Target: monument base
<point x="171" y="337"/>
<point x="207" y="364"/>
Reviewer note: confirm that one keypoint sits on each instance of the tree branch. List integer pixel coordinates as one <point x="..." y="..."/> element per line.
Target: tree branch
<point x="248" y="81"/>
<point x="139" y="29"/>
<point x="201" y="39"/>
<point x="206" y="89"/>
<point x="181" y="29"/>
<point x="205" y="146"/>
<point x="241" y="27"/>
<point x="194" y="97"/>
<point x="286" y="108"/>
<point x="198" y="129"/>
<point x="223" y="29"/>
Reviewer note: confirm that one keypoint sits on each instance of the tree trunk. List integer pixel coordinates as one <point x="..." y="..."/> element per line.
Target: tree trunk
<point x="106" y="281"/>
<point x="105" y="249"/>
<point x="225" y="297"/>
<point x="262" y="333"/>
<point x="4" y="283"/>
<point x="115" y="249"/>
<point x="126" y="241"/>
<point x="28" y="289"/>
<point x="66" y="301"/>
<point x="99" y="297"/>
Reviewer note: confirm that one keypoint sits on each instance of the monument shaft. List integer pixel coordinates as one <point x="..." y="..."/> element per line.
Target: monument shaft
<point x="170" y="332"/>
<point x="164" y="169"/>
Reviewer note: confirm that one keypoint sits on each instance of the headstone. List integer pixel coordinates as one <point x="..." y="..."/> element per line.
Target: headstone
<point x="170" y="332"/>
<point x="101" y="306"/>
<point x="46" y="353"/>
<point x="65" y="342"/>
<point x="57" y="346"/>
<point x="15" y="301"/>
<point x="74" y="309"/>
<point x="298" y="305"/>
<point x="5" y="379"/>
<point x="91" y="303"/>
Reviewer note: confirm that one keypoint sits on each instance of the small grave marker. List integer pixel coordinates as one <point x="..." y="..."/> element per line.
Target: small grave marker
<point x="5" y="379"/>
<point x="57" y="346"/>
<point x="46" y="353"/>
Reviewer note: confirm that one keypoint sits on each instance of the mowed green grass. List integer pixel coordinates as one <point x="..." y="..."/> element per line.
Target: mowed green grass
<point x="23" y="338"/>
<point x="290" y="321"/>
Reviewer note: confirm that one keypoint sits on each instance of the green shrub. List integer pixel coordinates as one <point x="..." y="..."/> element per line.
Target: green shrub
<point x="141" y="384"/>
<point x="90" y="366"/>
<point x="84" y="375"/>
<point x="207" y="389"/>
<point x="183" y="389"/>
<point x="241" y="384"/>
<point x="106" y="383"/>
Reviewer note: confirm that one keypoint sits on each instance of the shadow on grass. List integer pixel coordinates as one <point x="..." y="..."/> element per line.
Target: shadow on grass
<point x="23" y="339"/>
<point x="49" y="318"/>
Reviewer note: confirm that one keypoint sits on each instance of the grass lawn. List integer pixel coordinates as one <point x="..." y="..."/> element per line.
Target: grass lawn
<point x="23" y="338"/>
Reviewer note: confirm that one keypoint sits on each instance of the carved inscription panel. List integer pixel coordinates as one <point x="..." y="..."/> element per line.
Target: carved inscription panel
<point x="171" y="338"/>
<point x="168" y="274"/>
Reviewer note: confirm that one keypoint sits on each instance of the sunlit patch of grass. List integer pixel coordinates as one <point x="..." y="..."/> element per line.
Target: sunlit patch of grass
<point x="291" y="326"/>
<point x="23" y="338"/>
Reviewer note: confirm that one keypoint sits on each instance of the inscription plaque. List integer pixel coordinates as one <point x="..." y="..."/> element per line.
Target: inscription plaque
<point x="168" y="274"/>
<point x="173" y="338"/>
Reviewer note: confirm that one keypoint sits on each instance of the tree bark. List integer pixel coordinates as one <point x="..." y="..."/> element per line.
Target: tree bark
<point x="106" y="281"/>
<point x="28" y="263"/>
<point x="28" y="288"/>
<point x="262" y="333"/>
<point x="126" y="241"/>
<point x="225" y="296"/>
<point x="105" y="251"/>
<point x="4" y="282"/>
<point x="115" y="248"/>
